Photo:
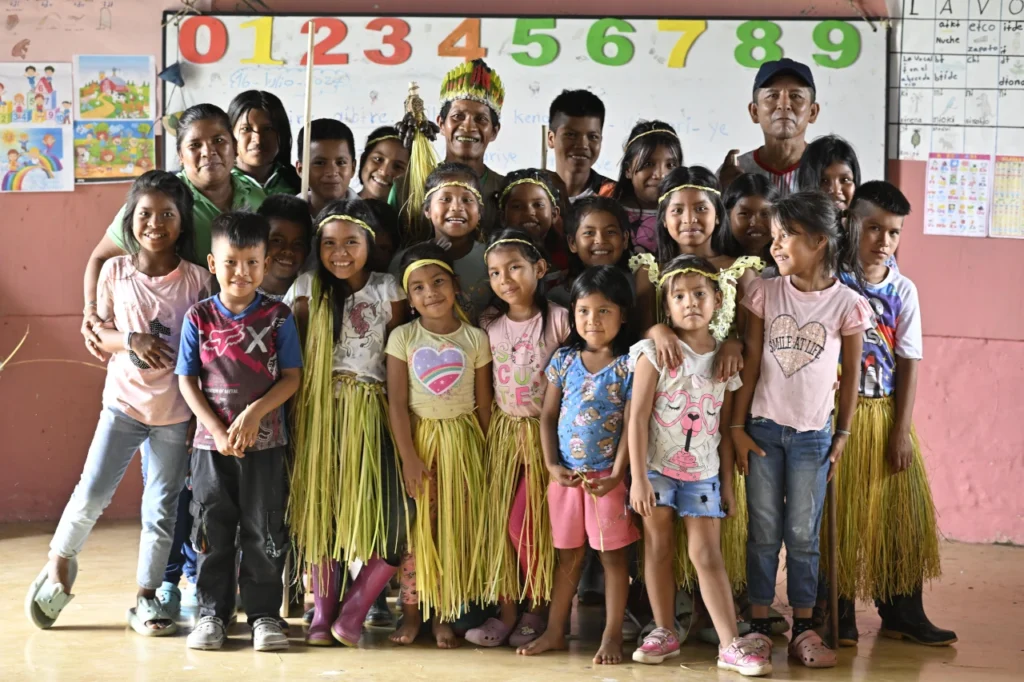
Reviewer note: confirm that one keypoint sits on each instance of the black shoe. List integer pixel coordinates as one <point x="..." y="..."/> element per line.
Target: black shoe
<point x="379" y="615"/>
<point x="848" y="634"/>
<point x="307" y="617"/>
<point x="904" y="618"/>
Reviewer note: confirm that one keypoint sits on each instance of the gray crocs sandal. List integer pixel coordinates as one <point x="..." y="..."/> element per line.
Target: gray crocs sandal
<point x="45" y="600"/>
<point x="151" y="611"/>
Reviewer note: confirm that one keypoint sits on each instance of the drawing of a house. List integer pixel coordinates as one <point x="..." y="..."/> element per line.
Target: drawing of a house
<point x="112" y="84"/>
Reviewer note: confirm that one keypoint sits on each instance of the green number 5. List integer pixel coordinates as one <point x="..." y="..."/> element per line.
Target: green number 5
<point x="848" y="46"/>
<point x="549" y="46"/>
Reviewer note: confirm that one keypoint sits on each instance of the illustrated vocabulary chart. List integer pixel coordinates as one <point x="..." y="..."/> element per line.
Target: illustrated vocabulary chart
<point x="957" y="195"/>
<point x="1007" y="218"/>
<point x="960" y="65"/>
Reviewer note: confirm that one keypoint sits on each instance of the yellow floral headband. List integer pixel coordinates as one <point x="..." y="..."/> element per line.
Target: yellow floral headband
<point x="527" y="181"/>
<point x="702" y="188"/>
<point x="417" y="264"/>
<point x="685" y="271"/>
<point x="348" y="219"/>
<point x="375" y="140"/>
<point x="508" y="241"/>
<point x="457" y="183"/>
<point x="651" y="132"/>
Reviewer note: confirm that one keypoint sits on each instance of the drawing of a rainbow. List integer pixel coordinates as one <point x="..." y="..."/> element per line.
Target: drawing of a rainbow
<point x="13" y="180"/>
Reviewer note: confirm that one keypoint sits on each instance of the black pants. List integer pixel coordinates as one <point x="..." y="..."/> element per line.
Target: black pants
<point x="247" y="497"/>
<point x="395" y="504"/>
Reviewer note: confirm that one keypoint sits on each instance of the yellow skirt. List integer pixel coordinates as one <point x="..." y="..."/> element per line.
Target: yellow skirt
<point x="886" y="531"/>
<point x="733" y="543"/>
<point x="512" y="450"/>
<point x="335" y="506"/>
<point x="449" y="568"/>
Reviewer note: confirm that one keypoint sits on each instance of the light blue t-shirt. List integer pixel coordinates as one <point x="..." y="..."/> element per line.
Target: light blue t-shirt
<point x="593" y="409"/>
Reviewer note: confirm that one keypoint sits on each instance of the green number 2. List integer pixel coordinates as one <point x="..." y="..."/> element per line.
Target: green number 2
<point x="523" y="35"/>
<point x="848" y="46"/>
<point x="768" y="42"/>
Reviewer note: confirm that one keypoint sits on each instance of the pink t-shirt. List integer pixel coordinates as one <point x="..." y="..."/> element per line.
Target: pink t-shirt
<point x="151" y="305"/>
<point x="802" y="338"/>
<point x="521" y="352"/>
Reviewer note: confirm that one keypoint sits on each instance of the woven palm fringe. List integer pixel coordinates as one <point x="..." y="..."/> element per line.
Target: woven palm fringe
<point x="449" y="572"/>
<point x="512" y="450"/>
<point x="733" y="544"/>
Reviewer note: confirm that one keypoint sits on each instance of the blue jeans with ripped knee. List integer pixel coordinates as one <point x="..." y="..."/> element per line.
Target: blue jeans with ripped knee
<point x="785" y="498"/>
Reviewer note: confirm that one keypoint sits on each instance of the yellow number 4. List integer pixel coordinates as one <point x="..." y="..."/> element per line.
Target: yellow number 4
<point x="691" y="29"/>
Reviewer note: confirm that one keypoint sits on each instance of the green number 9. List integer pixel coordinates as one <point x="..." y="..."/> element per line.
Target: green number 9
<point x="598" y="38"/>
<point x="848" y="46"/>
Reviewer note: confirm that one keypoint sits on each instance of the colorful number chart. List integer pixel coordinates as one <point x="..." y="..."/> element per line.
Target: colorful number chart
<point x="957" y="194"/>
<point x="694" y="73"/>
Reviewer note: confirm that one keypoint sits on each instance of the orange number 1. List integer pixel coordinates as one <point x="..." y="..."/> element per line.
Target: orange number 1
<point x="469" y="31"/>
<point x="691" y="29"/>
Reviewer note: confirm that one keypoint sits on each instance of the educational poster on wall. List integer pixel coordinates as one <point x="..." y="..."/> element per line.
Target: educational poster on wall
<point x="1007" y="219"/>
<point x="109" y="151"/>
<point x="114" y="87"/>
<point x="35" y="127"/>
<point x="957" y="195"/>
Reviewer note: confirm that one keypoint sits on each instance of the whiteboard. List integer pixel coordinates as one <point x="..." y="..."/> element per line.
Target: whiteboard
<point x="696" y="74"/>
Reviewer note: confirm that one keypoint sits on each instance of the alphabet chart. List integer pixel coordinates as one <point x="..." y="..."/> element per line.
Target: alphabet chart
<point x="1007" y="219"/>
<point x="957" y="194"/>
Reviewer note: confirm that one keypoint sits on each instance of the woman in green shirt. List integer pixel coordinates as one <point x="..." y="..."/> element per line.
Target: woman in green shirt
<point x="206" y="151"/>
<point x="263" y="136"/>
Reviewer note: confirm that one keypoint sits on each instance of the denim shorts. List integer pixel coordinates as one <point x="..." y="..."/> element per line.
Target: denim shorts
<point x="688" y="498"/>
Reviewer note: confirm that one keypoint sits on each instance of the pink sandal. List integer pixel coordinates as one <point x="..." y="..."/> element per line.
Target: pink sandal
<point x="492" y="633"/>
<point x="811" y="651"/>
<point x="530" y="627"/>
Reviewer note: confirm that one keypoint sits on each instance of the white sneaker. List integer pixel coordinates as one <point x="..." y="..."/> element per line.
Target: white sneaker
<point x="208" y="634"/>
<point x="268" y="636"/>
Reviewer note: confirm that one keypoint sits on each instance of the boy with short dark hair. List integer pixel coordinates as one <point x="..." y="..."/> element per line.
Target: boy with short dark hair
<point x="892" y="546"/>
<point x="332" y="162"/>
<point x="238" y="362"/>
<point x="291" y="231"/>
<point x="575" y="124"/>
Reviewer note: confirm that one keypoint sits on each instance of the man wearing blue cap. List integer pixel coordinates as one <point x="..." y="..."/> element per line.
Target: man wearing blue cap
<point x="783" y="105"/>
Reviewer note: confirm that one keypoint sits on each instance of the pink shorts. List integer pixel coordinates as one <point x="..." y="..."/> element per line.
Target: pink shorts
<point x="575" y="517"/>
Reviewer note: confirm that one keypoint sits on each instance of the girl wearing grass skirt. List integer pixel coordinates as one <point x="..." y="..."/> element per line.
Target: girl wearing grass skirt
<point x="347" y="499"/>
<point x="888" y="541"/>
<point x="439" y="386"/>
<point x="524" y="331"/>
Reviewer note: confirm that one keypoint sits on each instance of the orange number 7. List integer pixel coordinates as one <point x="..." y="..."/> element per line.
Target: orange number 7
<point x="691" y="29"/>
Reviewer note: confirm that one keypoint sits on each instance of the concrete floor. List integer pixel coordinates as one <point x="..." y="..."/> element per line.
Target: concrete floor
<point x="980" y="597"/>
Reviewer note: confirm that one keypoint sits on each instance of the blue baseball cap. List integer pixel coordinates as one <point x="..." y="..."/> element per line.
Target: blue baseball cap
<point x="771" y="70"/>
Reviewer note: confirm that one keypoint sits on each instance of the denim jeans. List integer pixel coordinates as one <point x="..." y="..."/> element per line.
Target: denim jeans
<point x="785" y="497"/>
<point x="115" y="442"/>
<point x="182" y="557"/>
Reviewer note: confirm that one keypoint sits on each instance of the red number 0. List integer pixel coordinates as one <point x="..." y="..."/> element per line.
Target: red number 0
<point x="337" y="30"/>
<point x="401" y="50"/>
<point x="187" y="40"/>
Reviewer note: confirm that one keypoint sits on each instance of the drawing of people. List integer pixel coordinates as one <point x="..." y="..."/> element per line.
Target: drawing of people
<point x="39" y="109"/>
<point x="19" y="108"/>
<point x="12" y="159"/>
<point x="82" y="154"/>
<point x="51" y="94"/>
<point x="2" y="88"/>
<point x="48" y="142"/>
<point x="30" y="74"/>
<point x="65" y="113"/>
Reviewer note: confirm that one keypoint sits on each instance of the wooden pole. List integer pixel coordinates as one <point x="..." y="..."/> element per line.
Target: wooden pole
<point x="543" y="147"/>
<point x="309" y="109"/>
<point x="833" y="567"/>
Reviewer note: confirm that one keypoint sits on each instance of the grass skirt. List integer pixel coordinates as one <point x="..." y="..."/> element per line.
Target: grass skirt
<point x="886" y="530"/>
<point x="449" y="565"/>
<point x="336" y="505"/>
<point x="512" y="448"/>
<point x="734" y="544"/>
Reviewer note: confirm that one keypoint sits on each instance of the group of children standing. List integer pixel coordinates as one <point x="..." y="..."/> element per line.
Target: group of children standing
<point x="655" y="357"/>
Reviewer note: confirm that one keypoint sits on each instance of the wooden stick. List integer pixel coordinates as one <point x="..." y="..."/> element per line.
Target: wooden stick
<point x="833" y="567"/>
<point x="309" y="110"/>
<point x="543" y="147"/>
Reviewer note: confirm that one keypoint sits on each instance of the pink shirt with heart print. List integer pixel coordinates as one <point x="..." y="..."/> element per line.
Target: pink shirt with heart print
<point x="802" y="339"/>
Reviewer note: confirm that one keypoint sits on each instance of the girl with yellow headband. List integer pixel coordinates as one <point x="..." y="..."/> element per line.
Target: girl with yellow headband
<point x="529" y="201"/>
<point x="454" y="206"/>
<point x="524" y="332"/>
<point x="651" y="151"/>
<point x="439" y="388"/>
<point x="347" y="499"/>
<point x="383" y="161"/>
<point x="681" y="460"/>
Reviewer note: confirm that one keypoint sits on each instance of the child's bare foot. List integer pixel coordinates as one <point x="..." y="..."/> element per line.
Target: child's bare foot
<point x="553" y="639"/>
<point x="444" y="635"/>
<point x="409" y="628"/>
<point x="610" y="652"/>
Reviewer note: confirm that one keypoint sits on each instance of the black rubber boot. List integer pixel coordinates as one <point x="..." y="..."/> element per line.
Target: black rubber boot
<point x="904" y="618"/>
<point x="380" y="615"/>
<point x="848" y="634"/>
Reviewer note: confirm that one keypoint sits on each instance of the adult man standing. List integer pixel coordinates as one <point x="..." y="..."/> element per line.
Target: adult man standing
<point x="783" y="105"/>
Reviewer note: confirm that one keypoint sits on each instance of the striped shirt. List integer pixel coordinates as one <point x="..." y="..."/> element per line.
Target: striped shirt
<point x="784" y="180"/>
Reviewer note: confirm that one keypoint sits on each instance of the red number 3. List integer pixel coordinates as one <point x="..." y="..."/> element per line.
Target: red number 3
<point x="336" y="33"/>
<point x="401" y="49"/>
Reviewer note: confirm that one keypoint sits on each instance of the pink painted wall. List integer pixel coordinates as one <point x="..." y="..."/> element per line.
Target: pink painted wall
<point x="967" y="413"/>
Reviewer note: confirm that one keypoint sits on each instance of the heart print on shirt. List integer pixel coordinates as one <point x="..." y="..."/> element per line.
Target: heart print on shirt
<point x="439" y="370"/>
